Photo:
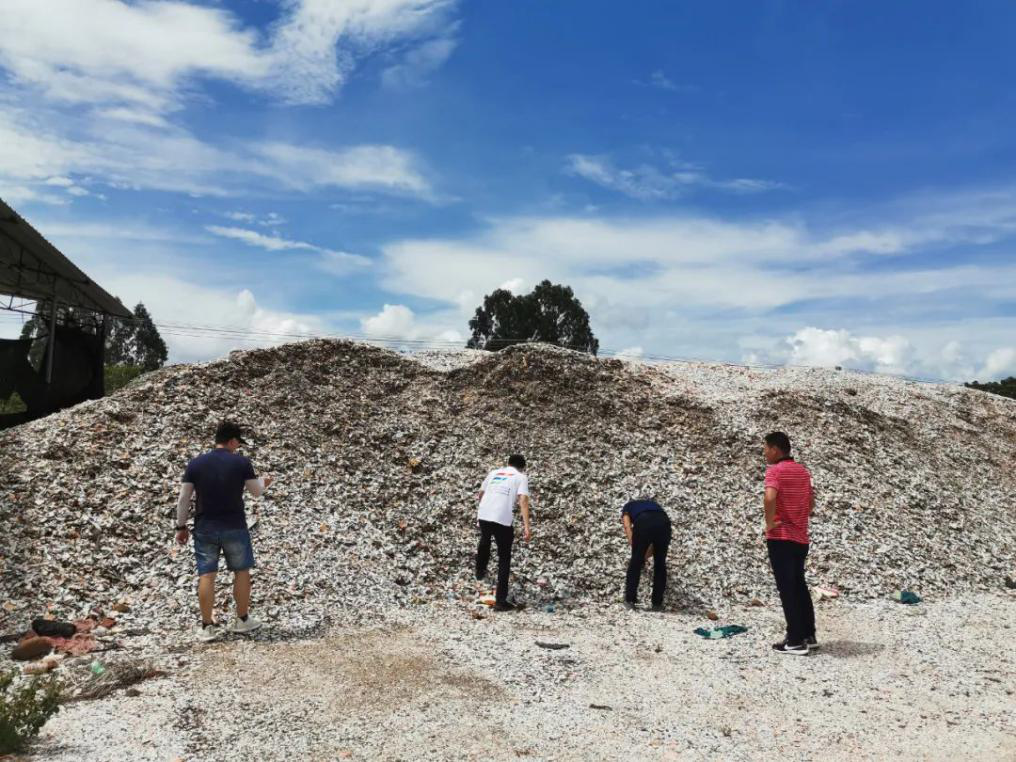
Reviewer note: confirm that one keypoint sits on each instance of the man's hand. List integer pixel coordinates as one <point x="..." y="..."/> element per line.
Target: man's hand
<point x="182" y="535"/>
<point x="771" y="525"/>
<point x="526" y="534"/>
<point x="268" y="479"/>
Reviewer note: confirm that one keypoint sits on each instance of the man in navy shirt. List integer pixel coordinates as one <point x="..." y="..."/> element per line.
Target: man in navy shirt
<point x="218" y="479"/>
<point x="647" y="527"/>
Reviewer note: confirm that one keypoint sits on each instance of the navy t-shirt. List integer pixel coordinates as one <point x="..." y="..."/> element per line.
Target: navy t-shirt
<point x="636" y="508"/>
<point x="219" y="477"/>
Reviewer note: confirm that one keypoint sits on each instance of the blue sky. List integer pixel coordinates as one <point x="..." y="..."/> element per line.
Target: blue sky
<point x="784" y="182"/>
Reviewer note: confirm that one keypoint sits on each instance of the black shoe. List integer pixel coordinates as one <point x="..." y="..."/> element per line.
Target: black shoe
<point x="630" y="605"/>
<point x="505" y="606"/>
<point x="657" y="608"/>
<point x="812" y="643"/>
<point x="783" y="647"/>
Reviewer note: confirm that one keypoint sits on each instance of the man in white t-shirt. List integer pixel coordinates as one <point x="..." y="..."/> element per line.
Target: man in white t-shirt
<point x="500" y="490"/>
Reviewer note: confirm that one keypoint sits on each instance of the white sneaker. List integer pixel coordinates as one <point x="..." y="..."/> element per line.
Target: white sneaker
<point x="241" y="627"/>
<point x="209" y="632"/>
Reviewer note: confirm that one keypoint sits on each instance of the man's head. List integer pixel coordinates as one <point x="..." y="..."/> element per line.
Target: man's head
<point x="776" y="447"/>
<point x="229" y="435"/>
<point x="517" y="462"/>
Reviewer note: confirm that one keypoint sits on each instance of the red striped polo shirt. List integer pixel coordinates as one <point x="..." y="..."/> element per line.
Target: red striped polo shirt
<point x="792" y="483"/>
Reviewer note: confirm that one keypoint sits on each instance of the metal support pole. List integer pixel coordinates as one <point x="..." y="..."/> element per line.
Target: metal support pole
<point x="52" y="343"/>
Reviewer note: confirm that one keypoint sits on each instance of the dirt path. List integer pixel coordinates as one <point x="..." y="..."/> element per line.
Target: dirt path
<point x="934" y="681"/>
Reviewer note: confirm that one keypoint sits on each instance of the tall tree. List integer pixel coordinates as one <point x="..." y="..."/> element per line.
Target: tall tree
<point x="149" y="349"/>
<point x="550" y="313"/>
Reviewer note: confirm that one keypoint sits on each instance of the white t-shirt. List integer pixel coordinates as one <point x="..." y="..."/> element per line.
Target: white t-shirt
<point x="500" y="490"/>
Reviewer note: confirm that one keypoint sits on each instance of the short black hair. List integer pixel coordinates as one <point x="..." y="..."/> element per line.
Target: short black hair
<point x="780" y="441"/>
<point x="228" y="430"/>
<point x="517" y="461"/>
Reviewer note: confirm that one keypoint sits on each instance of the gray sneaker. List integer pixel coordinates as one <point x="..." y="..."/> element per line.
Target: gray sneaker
<point x="240" y="627"/>
<point x="209" y="632"/>
<point x="812" y="644"/>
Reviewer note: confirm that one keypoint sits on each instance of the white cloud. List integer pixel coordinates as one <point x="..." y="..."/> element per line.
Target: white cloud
<point x="695" y="286"/>
<point x="649" y="183"/>
<point x="240" y="216"/>
<point x="254" y="238"/>
<point x="129" y="156"/>
<point x="377" y="167"/>
<point x="174" y="303"/>
<point x="142" y="56"/>
<point x="660" y="80"/>
<point x="329" y="261"/>
<point x="515" y="285"/>
<point x="828" y="348"/>
<point x="1000" y="363"/>
<point x="419" y="63"/>
<point x="395" y="321"/>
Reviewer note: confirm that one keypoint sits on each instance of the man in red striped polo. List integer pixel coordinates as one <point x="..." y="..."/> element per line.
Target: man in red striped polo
<point x="789" y="501"/>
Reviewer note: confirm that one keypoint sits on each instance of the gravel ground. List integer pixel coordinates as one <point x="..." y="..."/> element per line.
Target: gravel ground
<point x="933" y="681"/>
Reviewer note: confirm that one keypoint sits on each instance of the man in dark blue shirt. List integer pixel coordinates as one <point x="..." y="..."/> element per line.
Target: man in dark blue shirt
<point x="647" y="527"/>
<point x="217" y="479"/>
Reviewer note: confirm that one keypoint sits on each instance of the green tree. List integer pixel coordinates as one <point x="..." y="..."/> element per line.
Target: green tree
<point x="1006" y="387"/>
<point x="550" y="313"/>
<point x="149" y="349"/>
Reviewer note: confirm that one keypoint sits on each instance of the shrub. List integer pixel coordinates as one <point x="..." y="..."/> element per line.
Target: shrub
<point x="24" y="709"/>
<point x="12" y="405"/>
<point x="118" y="376"/>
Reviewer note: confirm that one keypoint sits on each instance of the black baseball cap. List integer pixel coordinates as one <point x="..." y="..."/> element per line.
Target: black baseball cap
<point x="228" y="430"/>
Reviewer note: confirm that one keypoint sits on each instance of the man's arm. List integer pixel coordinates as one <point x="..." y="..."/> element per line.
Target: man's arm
<point x="183" y="506"/>
<point x="626" y="522"/>
<point x="258" y="486"/>
<point x="770" y="509"/>
<point x="524" y="505"/>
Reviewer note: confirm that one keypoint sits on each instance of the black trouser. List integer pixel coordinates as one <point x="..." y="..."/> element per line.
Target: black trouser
<point x="650" y="528"/>
<point x="504" y="536"/>
<point x="787" y="559"/>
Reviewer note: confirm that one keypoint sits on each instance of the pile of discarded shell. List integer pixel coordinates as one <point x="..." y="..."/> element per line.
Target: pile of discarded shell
<point x="378" y="457"/>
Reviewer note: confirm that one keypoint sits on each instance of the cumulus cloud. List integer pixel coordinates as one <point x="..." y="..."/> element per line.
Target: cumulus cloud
<point x="394" y="321"/>
<point x="831" y="348"/>
<point x="1000" y="363"/>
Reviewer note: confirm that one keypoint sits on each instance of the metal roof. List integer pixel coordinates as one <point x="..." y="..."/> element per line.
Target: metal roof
<point x="33" y="268"/>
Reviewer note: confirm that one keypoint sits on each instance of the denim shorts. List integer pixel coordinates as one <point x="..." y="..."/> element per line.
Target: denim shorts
<point x="234" y="544"/>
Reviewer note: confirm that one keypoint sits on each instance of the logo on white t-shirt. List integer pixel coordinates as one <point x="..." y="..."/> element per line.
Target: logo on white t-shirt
<point x="500" y="490"/>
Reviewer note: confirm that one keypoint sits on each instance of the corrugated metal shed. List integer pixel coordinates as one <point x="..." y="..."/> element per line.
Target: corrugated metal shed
<point x="33" y="268"/>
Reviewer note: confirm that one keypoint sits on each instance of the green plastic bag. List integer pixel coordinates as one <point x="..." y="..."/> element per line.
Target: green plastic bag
<point x="716" y="633"/>
<point x="905" y="596"/>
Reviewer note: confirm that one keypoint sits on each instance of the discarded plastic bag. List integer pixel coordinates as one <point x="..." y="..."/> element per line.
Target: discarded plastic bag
<point x="905" y="596"/>
<point x="717" y="633"/>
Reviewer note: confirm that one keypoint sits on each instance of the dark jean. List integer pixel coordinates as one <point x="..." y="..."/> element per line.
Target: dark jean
<point x="787" y="559"/>
<point x="210" y="542"/>
<point x="650" y="528"/>
<point x="504" y="536"/>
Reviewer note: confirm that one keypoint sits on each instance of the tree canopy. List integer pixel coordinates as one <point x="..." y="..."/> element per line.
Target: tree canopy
<point x="1006" y="387"/>
<point x="550" y="313"/>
